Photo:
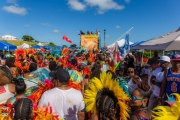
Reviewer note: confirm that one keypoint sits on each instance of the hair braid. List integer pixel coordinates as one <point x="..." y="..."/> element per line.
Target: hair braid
<point x="23" y="109"/>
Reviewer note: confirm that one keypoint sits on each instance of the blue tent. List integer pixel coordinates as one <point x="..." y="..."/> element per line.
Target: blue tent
<point x="36" y="46"/>
<point x="7" y="46"/>
<point x="47" y="47"/>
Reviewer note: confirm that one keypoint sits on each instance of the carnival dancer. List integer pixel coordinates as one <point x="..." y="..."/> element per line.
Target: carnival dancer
<point x="25" y="109"/>
<point x="66" y="101"/>
<point x="138" y="103"/>
<point x="20" y="90"/>
<point x="105" y="99"/>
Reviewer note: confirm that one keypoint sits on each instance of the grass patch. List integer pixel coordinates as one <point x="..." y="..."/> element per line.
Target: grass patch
<point x="20" y="42"/>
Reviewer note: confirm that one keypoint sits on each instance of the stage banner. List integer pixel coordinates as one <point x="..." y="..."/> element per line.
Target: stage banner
<point x="89" y="41"/>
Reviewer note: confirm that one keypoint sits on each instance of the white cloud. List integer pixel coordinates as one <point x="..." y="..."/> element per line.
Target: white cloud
<point x="127" y="1"/>
<point x="104" y="5"/>
<point x="11" y="1"/>
<point x="108" y="36"/>
<point x="46" y="24"/>
<point x="26" y="25"/>
<point x="15" y="9"/>
<point x="56" y="31"/>
<point x="117" y="26"/>
<point x="76" y="5"/>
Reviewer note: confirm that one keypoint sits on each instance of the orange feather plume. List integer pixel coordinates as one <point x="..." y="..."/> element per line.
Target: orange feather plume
<point x="42" y="49"/>
<point x="30" y="51"/>
<point x="65" y="51"/>
<point x="19" y="52"/>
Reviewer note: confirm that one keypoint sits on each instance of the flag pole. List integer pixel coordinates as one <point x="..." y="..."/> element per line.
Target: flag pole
<point x="125" y="33"/>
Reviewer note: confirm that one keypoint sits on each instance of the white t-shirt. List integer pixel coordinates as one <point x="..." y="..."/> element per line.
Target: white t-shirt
<point x="131" y="86"/>
<point x="66" y="103"/>
<point x="145" y="71"/>
<point x="159" y="78"/>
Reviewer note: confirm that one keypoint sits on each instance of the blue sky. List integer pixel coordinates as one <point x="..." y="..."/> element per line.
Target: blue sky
<point x="49" y="20"/>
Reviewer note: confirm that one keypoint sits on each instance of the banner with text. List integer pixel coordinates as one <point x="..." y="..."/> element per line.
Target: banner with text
<point x="89" y="41"/>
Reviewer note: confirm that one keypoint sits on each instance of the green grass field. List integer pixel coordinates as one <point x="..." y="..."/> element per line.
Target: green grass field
<point x="20" y="42"/>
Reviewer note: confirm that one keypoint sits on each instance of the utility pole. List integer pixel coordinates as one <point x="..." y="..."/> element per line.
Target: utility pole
<point x="104" y="37"/>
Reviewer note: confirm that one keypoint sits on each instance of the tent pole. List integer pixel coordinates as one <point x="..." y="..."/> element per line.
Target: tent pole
<point x="142" y="58"/>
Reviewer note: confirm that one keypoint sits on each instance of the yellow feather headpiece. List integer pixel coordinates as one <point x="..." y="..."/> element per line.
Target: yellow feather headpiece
<point x="52" y="57"/>
<point x="168" y="112"/>
<point x="106" y="82"/>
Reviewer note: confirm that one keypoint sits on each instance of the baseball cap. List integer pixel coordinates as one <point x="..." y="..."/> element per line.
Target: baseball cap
<point x="130" y="53"/>
<point x="175" y="57"/>
<point x="60" y="74"/>
<point x="165" y="58"/>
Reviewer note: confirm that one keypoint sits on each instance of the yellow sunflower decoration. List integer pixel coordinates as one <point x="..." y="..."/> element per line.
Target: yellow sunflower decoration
<point x="98" y="85"/>
<point x="171" y="112"/>
<point x="52" y="57"/>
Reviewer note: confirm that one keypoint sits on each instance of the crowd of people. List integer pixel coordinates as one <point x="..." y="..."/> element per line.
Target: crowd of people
<point x="81" y="84"/>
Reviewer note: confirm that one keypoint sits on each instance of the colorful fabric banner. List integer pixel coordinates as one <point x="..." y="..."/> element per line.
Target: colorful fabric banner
<point x="89" y="41"/>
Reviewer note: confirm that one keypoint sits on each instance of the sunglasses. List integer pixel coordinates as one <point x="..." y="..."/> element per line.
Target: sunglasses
<point x="130" y="72"/>
<point x="134" y="98"/>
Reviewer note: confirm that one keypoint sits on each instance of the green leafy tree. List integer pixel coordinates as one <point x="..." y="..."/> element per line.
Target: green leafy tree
<point x="65" y="46"/>
<point x="73" y="45"/>
<point x="51" y="44"/>
<point x="36" y="41"/>
<point x="27" y="38"/>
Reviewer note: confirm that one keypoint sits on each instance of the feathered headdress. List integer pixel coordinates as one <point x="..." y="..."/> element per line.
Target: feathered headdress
<point x="20" y="52"/>
<point x="35" y="96"/>
<point x="30" y="51"/>
<point x="5" y="112"/>
<point x="42" y="49"/>
<point x="52" y="57"/>
<point x="45" y="113"/>
<point x="65" y="51"/>
<point x="19" y="65"/>
<point x="96" y="86"/>
<point x="171" y="112"/>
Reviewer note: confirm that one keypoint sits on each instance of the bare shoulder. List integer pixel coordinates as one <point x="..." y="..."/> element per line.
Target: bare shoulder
<point x="11" y="88"/>
<point x="9" y="101"/>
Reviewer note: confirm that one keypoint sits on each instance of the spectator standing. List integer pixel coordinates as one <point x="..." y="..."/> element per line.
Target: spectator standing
<point x="157" y="78"/>
<point x="67" y="102"/>
<point x="171" y="82"/>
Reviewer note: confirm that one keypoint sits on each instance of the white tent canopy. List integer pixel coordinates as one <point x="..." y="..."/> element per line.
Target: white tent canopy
<point x="169" y="41"/>
<point x="120" y="44"/>
<point x="25" y="46"/>
<point x="40" y="44"/>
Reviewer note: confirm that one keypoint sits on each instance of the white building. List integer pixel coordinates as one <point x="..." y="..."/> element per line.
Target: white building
<point x="8" y="37"/>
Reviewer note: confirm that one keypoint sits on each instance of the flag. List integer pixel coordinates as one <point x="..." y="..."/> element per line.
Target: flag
<point x="116" y="54"/>
<point x="66" y="39"/>
<point x="126" y="45"/>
